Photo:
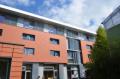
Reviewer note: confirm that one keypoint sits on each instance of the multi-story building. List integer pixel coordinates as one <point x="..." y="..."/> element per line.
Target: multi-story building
<point x="35" y="47"/>
<point x="112" y="25"/>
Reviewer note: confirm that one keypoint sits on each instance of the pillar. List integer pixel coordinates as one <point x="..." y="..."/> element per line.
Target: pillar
<point x="63" y="71"/>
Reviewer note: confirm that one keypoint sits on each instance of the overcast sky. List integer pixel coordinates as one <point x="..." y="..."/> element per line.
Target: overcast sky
<point x="86" y="14"/>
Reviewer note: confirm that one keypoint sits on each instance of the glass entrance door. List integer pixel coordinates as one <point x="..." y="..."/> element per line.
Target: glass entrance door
<point x="48" y="75"/>
<point x="4" y="68"/>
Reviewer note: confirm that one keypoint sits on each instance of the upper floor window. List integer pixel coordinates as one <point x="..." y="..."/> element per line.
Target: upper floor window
<point x="28" y="37"/>
<point x="38" y="26"/>
<point x="54" y="53"/>
<point x="71" y="33"/>
<point x="1" y="30"/>
<point x="2" y="18"/>
<point x="73" y="44"/>
<point x="52" y="30"/>
<point x="72" y="57"/>
<point x="60" y="31"/>
<point x="10" y="20"/>
<point x="56" y="30"/>
<point x="54" y="41"/>
<point x="29" y="51"/>
<point x="89" y="47"/>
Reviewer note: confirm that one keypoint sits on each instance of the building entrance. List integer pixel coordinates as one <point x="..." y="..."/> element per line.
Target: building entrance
<point x="4" y="68"/>
<point x="51" y="72"/>
<point x="48" y="75"/>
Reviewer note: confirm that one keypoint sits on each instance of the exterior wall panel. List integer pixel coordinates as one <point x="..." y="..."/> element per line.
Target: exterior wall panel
<point x="85" y="51"/>
<point x="41" y="44"/>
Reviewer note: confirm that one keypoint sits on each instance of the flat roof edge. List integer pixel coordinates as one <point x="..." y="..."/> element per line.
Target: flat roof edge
<point x="44" y="18"/>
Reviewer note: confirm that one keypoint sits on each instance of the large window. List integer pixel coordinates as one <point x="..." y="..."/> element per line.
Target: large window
<point x="71" y="33"/>
<point x="28" y="37"/>
<point x="72" y="57"/>
<point x="10" y="20"/>
<point x="54" y="53"/>
<point x="56" y="30"/>
<point x="73" y="44"/>
<point x="28" y="51"/>
<point x="2" y="18"/>
<point x="39" y="26"/>
<point x="54" y="41"/>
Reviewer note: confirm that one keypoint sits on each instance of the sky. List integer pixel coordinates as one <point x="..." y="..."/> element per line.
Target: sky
<point x="87" y="14"/>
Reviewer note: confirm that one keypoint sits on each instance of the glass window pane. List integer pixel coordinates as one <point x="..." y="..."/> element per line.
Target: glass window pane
<point x="54" y="41"/>
<point x="72" y="33"/>
<point x="54" y="53"/>
<point x="29" y="51"/>
<point x="10" y="20"/>
<point x="28" y="37"/>
<point x="2" y="18"/>
<point x="52" y="30"/>
<point x="39" y="26"/>
<point x="60" y="31"/>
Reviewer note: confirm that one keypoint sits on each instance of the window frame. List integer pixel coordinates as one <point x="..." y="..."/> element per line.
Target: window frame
<point x="26" y="53"/>
<point x="55" y="53"/>
<point x="30" y="35"/>
<point x="53" y="40"/>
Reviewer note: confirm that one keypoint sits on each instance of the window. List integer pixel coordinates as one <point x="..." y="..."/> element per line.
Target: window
<point x="56" y="30"/>
<point x="28" y="24"/>
<point x="71" y="33"/>
<point x="28" y="37"/>
<point x="54" y="53"/>
<point x="72" y="57"/>
<point x="89" y="47"/>
<point x="1" y="30"/>
<point x="54" y="41"/>
<point x="89" y="55"/>
<point x="10" y="20"/>
<point x="2" y="18"/>
<point x="60" y="31"/>
<point x="27" y="71"/>
<point x="39" y="26"/>
<point x="52" y="30"/>
<point x="73" y="44"/>
<point x="28" y="51"/>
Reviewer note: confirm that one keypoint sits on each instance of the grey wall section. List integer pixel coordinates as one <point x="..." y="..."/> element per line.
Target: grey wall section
<point x="63" y="71"/>
<point x="112" y="20"/>
<point x="37" y="70"/>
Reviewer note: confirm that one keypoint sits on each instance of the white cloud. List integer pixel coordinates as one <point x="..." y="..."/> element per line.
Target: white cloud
<point x="48" y="2"/>
<point x="81" y="12"/>
<point x="16" y="2"/>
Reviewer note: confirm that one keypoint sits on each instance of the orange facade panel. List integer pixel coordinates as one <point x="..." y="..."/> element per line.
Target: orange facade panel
<point x="42" y="44"/>
<point x="85" y="51"/>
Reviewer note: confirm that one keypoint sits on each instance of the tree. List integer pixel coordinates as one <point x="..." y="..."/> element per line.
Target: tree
<point x="100" y="55"/>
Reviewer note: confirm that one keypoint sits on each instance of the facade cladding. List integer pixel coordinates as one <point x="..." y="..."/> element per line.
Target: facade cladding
<point x="112" y="25"/>
<point x="34" y="47"/>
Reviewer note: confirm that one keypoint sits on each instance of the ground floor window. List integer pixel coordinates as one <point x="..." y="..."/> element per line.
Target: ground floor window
<point x="51" y="72"/>
<point x="27" y="71"/>
<point x="4" y="68"/>
<point x="73" y="72"/>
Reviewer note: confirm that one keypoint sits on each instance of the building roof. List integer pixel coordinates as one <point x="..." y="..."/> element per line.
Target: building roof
<point x="112" y="14"/>
<point x="41" y="18"/>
